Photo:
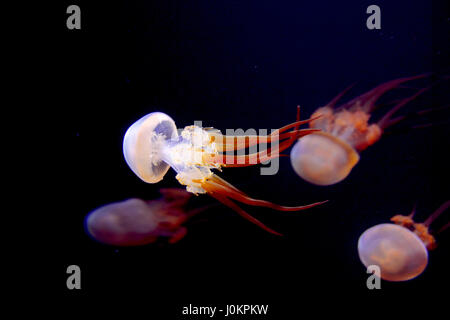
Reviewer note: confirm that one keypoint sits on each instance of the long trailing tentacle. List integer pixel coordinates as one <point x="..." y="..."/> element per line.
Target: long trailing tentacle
<point x="229" y="143"/>
<point x="242" y="212"/>
<point x="413" y="211"/>
<point x="241" y="197"/>
<point x="258" y="157"/>
<point x="413" y="115"/>
<point x="232" y="143"/>
<point x="265" y="155"/>
<point x="293" y="139"/>
<point x="445" y="227"/>
<point x="280" y="140"/>
<point x="226" y="193"/>
<point x="437" y="213"/>
<point x="386" y="121"/>
<point x="389" y="121"/>
<point x="333" y="102"/>
<point x="226" y="184"/>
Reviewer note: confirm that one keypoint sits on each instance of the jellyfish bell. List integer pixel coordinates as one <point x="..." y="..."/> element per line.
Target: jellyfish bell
<point x="323" y="159"/>
<point x="143" y="145"/>
<point x="399" y="252"/>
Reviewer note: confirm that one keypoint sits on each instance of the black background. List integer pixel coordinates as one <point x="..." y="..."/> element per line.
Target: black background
<point x="242" y="64"/>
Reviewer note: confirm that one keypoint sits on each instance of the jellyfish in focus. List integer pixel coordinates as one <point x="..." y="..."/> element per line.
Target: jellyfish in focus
<point x="328" y="156"/>
<point x="399" y="249"/>
<point x="135" y="222"/>
<point x="152" y="145"/>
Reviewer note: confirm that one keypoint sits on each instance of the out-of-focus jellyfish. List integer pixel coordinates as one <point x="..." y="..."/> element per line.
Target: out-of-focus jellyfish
<point x="136" y="222"/>
<point x="327" y="157"/>
<point x="400" y="249"/>
<point x="152" y="145"/>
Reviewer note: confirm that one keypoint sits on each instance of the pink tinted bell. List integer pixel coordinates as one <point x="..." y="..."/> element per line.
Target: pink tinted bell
<point x="322" y="159"/>
<point x="125" y="223"/>
<point x="399" y="253"/>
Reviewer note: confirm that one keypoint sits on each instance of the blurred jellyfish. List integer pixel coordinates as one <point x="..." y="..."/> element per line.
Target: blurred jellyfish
<point x="152" y="145"/>
<point x="328" y="156"/>
<point x="135" y="222"/>
<point x="400" y="249"/>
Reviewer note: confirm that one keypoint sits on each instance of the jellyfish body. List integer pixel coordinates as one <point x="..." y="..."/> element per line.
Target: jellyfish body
<point x="400" y="250"/>
<point x="152" y="145"/>
<point x="143" y="146"/>
<point x="327" y="157"/>
<point x="136" y="222"/>
<point x="323" y="159"/>
<point x="400" y="253"/>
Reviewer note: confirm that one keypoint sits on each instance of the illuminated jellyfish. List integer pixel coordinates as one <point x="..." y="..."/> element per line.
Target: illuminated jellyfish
<point x="152" y="145"/>
<point x="136" y="222"/>
<point x="400" y="249"/>
<point x="328" y="156"/>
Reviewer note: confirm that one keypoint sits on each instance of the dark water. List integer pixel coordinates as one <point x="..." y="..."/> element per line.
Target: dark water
<point x="247" y="64"/>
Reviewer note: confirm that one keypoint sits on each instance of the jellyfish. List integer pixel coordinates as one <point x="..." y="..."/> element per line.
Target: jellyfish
<point x="152" y="145"/>
<point x="135" y="222"/>
<point x="399" y="249"/>
<point x="327" y="157"/>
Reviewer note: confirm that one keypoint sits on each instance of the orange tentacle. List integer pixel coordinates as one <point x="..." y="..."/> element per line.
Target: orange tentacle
<point x="367" y="100"/>
<point x="225" y="143"/>
<point x="256" y="158"/>
<point x="386" y="120"/>
<point x="332" y="103"/>
<point x="242" y="212"/>
<point x="237" y="195"/>
<point x="265" y="155"/>
<point x="295" y="124"/>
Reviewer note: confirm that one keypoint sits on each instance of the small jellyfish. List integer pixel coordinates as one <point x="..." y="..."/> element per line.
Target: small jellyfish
<point x="152" y="145"/>
<point x="135" y="222"/>
<point x="400" y="249"/>
<point x="328" y="156"/>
